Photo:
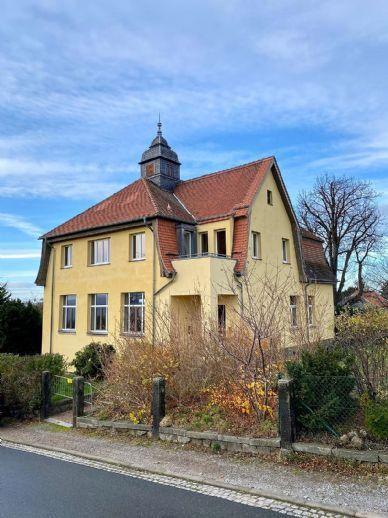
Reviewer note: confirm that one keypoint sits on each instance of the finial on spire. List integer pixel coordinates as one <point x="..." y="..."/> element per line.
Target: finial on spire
<point x="159" y="126"/>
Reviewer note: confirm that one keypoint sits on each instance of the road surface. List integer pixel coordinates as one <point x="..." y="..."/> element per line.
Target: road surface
<point x="34" y="485"/>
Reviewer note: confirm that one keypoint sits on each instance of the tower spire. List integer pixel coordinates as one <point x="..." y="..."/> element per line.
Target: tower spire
<point x="159" y="126"/>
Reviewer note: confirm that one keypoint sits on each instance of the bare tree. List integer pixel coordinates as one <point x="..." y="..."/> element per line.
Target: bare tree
<point x="343" y="212"/>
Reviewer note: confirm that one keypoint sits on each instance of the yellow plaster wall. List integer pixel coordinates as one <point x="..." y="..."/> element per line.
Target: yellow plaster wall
<point x="120" y="276"/>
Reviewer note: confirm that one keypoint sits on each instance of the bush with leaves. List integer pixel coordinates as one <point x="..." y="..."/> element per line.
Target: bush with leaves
<point x="376" y="418"/>
<point x="323" y="385"/>
<point x="90" y="361"/>
<point x="20" y="380"/>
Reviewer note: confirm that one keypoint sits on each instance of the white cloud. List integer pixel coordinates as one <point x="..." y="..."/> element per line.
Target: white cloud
<point x="19" y="254"/>
<point x="19" y="223"/>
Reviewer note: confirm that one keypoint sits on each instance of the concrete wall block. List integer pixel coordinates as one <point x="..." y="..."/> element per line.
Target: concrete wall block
<point x="361" y="456"/>
<point x="317" y="449"/>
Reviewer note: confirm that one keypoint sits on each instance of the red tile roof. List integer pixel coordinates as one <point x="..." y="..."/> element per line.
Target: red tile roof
<point x="167" y="243"/>
<point x="221" y="194"/>
<point x="136" y="201"/>
<point x="316" y="266"/>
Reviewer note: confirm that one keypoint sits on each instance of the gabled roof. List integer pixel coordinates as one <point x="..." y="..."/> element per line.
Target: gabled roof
<point x="224" y="193"/>
<point x="141" y="199"/>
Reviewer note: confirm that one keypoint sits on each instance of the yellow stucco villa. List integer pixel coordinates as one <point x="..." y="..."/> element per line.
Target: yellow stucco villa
<point x="180" y="245"/>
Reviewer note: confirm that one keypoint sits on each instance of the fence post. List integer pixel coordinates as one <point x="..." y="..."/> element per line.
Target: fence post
<point x="286" y="414"/>
<point x="78" y="398"/>
<point x="158" y="404"/>
<point x="45" y="394"/>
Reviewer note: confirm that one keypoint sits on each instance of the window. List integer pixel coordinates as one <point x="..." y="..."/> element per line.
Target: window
<point x="138" y="246"/>
<point x="256" y="245"/>
<point x="294" y="310"/>
<point x="221" y="318"/>
<point x="99" y="313"/>
<point x="134" y="307"/>
<point x="269" y="197"/>
<point x="67" y="256"/>
<point x="204" y="240"/>
<point x="69" y="307"/>
<point x="286" y="250"/>
<point x="221" y="242"/>
<point x="310" y="310"/>
<point x="100" y="251"/>
<point x="188" y="243"/>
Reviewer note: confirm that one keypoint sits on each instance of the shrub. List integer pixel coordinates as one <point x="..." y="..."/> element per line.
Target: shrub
<point x="376" y="418"/>
<point x="20" y="380"/>
<point x="323" y="383"/>
<point x="89" y="362"/>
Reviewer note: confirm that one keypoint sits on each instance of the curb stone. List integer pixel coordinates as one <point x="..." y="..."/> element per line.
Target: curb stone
<point x="263" y="494"/>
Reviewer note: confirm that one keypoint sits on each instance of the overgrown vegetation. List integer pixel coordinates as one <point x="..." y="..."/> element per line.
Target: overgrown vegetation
<point x="323" y="385"/>
<point x="89" y="361"/>
<point x="20" y="381"/>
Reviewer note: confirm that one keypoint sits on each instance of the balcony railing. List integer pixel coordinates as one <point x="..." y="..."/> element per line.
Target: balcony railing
<point x="199" y="256"/>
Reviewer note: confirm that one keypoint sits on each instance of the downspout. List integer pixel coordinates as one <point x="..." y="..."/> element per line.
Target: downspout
<point x="151" y="227"/>
<point x="52" y="297"/>
<point x="236" y="276"/>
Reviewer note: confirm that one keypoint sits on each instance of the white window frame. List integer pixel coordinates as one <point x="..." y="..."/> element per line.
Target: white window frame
<point x="137" y="246"/>
<point x="67" y="253"/>
<point x="294" y="311"/>
<point x="285" y="250"/>
<point x="66" y="307"/>
<point x="93" y="306"/>
<point x="94" y="252"/>
<point x="256" y="243"/>
<point x="310" y="310"/>
<point x="127" y="307"/>
<point x="269" y="197"/>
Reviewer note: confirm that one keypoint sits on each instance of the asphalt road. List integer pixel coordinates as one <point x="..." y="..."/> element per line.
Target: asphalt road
<point x="33" y="485"/>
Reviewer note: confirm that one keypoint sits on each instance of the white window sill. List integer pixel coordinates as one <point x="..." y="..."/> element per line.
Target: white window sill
<point x="67" y="331"/>
<point x="256" y="258"/>
<point x="286" y="262"/>
<point x="97" y="332"/>
<point x="98" y="264"/>
<point x="132" y="335"/>
<point x="136" y="260"/>
<point x="67" y="267"/>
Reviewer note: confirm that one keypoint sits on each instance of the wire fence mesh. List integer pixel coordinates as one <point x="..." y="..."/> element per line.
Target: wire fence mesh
<point x="328" y="404"/>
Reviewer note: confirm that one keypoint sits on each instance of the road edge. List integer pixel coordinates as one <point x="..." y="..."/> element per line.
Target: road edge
<point x="265" y="494"/>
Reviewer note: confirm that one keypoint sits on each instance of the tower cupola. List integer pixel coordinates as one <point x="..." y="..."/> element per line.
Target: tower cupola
<point x="160" y="163"/>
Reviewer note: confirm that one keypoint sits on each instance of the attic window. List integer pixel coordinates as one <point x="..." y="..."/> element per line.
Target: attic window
<point x="269" y="197"/>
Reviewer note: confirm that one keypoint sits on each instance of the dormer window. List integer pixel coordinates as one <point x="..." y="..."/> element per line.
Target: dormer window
<point x="188" y="243"/>
<point x="269" y="197"/>
<point x="204" y="243"/>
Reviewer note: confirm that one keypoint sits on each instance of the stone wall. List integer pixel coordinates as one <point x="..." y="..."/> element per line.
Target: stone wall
<point x="230" y="442"/>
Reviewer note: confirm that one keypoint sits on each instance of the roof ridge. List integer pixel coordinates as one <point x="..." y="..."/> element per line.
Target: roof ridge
<point x="145" y="182"/>
<point x="206" y="175"/>
<point x="184" y="206"/>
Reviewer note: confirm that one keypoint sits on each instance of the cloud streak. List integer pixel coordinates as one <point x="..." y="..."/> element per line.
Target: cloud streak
<point x="19" y="223"/>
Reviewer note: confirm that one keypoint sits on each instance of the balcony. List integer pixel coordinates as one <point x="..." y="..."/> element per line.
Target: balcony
<point x="208" y="274"/>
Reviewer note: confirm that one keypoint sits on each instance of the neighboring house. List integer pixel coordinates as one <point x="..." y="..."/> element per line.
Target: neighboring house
<point x="367" y="298"/>
<point x="165" y="242"/>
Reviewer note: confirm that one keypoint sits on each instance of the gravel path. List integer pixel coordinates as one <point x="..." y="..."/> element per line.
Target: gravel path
<point x="357" y="493"/>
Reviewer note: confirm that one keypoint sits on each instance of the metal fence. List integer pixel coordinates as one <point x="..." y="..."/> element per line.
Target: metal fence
<point x="327" y="404"/>
<point x="62" y="388"/>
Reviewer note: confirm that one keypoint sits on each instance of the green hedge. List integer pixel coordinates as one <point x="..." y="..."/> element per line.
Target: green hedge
<point x="323" y="386"/>
<point x="89" y="361"/>
<point x="376" y="418"/>
<point x="20" y="378"/>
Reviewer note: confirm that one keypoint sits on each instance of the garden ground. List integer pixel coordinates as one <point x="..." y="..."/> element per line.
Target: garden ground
<point x="349" y="487"/>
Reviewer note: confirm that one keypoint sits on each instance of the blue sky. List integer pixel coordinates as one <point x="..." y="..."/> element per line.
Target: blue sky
<point x="82" y="83"/>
